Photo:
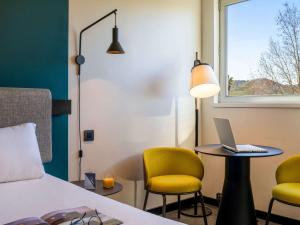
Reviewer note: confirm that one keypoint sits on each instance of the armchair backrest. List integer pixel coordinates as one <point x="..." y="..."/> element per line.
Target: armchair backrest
<point x="289" y="171"/>
<point x="171" y="161"/>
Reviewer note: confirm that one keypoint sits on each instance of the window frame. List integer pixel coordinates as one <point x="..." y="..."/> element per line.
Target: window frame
<point x="242" y="101"/>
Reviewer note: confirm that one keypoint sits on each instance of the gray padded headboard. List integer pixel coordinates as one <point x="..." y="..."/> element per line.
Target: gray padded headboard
<point x="21" y="105"/>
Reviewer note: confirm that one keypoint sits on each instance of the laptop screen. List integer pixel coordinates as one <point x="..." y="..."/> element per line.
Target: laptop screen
<point x="225" y="132"/>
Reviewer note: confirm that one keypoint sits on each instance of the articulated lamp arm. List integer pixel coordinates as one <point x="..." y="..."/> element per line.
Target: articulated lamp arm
<point x="80" y="58"/>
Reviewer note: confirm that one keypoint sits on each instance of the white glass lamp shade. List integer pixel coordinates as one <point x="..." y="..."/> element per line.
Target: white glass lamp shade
<point x="204" y="83"/>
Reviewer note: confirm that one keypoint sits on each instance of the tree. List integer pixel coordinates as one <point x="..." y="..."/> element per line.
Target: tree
<point x="281" y="62"/>
<point x="230" y="82"/>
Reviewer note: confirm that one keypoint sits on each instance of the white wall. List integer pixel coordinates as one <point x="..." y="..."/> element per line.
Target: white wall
<point x="265" y="126"/>
<point x="137" y="100"/>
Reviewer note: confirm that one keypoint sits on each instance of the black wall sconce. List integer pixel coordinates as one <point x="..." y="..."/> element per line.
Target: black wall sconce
<point x="114" y="48"/>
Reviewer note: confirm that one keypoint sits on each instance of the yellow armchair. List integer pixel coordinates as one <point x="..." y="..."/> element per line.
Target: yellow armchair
<point x="287" y="190"/>
<point x="172" y="171"/>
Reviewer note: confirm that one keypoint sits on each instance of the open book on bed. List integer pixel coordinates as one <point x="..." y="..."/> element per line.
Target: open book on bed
<point x="79" y="216"/>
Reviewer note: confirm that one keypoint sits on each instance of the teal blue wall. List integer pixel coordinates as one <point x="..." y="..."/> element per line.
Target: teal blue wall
<point x="34" y="53"/>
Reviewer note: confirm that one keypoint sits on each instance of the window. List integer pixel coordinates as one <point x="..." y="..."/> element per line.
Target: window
<point x="260" y="51"/>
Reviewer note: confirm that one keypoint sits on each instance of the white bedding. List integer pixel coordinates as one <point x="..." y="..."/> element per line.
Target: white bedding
<point x="37" y="197"/>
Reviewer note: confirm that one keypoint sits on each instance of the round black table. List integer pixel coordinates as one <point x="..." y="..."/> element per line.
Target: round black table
<point x="237" y="205"/>
<point x="100" y="189"/>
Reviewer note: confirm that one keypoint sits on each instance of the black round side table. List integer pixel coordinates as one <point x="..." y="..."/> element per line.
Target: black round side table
<point x="100" y="190"/>
<point x="237" y="205"/>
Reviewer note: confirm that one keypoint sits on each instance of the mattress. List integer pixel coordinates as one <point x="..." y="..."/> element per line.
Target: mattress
<point x="34" y="198"/>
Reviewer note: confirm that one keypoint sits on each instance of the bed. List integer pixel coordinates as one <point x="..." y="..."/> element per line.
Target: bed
<point x="37" y="197"/>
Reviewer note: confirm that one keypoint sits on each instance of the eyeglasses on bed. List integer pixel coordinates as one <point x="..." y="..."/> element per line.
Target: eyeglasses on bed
<point x="88" y="220"/>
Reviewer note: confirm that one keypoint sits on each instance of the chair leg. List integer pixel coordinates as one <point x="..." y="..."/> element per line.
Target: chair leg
<point x="146" y="199"/>
<point x="203" y="208"/>
<point x="179" y="206"/>
<point x="164" y="206"/>
<point x="195" y="204"/>
<point x="269" y="211"/>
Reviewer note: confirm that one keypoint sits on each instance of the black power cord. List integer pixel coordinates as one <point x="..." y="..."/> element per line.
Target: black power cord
<point x="80" y="152"/>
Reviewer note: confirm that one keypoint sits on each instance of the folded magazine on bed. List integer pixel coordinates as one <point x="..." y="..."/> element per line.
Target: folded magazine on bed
<point x="75" y="216"/>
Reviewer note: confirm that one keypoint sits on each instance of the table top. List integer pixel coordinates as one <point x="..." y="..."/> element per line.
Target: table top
<point x="219" y="150"/>
<point x="100" y="189"/>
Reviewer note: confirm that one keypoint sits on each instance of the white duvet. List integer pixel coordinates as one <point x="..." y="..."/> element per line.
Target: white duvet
<point x="34" y="198"/>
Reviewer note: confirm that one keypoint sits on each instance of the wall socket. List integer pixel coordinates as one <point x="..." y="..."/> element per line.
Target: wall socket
<point x="88" y="135"/>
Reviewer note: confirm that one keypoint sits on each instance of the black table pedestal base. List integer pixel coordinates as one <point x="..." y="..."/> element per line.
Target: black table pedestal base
<point x="237" y="206"/>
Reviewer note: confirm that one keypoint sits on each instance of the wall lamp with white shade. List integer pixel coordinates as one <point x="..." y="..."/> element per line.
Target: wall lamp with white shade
<point x="204" y="84"/>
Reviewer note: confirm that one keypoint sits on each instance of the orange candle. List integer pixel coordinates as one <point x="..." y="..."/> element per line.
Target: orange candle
<point x="108" y="182"/>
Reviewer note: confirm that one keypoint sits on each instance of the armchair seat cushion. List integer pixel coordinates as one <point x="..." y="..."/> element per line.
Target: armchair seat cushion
<point x="174" y="184"/>
<point x="287" y="192"/>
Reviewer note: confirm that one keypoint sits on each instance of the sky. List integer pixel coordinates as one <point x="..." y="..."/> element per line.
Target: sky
<point x="251" y="24"/>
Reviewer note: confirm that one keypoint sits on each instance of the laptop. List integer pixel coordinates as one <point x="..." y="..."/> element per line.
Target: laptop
<point x="227" y="138"/>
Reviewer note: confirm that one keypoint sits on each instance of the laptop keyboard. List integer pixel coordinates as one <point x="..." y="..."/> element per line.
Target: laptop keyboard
<point x="250" y="148"/>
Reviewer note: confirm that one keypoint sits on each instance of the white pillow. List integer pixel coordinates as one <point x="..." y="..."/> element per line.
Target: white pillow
<point x="20" y="157"/>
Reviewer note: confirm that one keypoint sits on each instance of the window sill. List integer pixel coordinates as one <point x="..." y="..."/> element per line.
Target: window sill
<point x="257" y="105"/>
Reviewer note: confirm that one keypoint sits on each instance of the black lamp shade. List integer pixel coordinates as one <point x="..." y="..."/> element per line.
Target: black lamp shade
<point x="115" y="47"/>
